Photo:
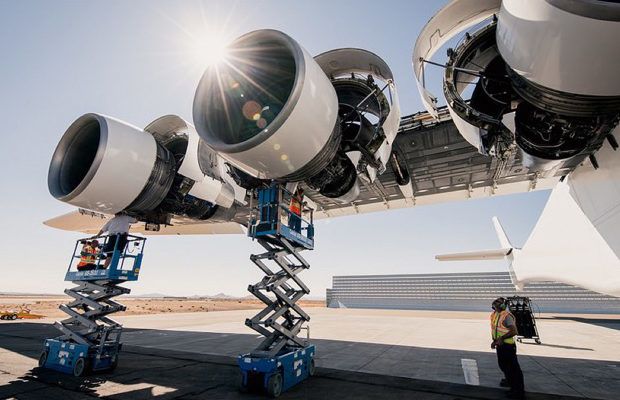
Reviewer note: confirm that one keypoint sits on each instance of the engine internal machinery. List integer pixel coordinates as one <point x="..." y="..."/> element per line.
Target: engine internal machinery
<point x="275" y="112"/>
<point x="547" y="125"/>
<point x="540" y="75"/>
<point x="106" y="165"/>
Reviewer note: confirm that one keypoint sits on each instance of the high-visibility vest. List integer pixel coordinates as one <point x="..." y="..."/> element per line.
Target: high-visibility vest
<point x="295" y="207"/>
<point x="497" y="326"/>
<point x="87" y="256"/>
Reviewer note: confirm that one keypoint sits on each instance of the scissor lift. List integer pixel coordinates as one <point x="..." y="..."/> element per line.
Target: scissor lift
<point x="282" y="359"/>
<point x="90" y="340"/>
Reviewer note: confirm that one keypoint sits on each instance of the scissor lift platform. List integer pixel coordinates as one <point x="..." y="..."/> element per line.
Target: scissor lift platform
<point x="282" y="359"/>
<point x="90" y="340"/>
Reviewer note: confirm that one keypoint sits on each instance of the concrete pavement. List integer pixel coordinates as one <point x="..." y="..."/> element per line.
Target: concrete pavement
<point x="401" y="350"/>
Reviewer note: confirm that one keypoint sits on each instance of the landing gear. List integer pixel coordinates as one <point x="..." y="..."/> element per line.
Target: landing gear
<point x="282" y="359"/>
<point x="90" y="339"/>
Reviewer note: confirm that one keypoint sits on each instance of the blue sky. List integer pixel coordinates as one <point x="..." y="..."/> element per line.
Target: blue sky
<point x="139" y="60"/>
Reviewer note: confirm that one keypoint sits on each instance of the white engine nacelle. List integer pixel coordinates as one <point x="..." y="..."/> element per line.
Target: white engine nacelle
<point x="543" y="74"/>
<point x="106" y="165"/>
<point x="276" y="113"/>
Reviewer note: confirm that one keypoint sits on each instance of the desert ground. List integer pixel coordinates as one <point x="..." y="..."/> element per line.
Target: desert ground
<point x="47" y="306"/>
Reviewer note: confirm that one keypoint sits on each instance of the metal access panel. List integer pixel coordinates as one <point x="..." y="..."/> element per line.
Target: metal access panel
<point x="62" y="356"/>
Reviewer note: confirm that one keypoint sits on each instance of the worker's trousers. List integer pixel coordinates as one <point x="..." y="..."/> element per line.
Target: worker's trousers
<point x="508" y="363"/>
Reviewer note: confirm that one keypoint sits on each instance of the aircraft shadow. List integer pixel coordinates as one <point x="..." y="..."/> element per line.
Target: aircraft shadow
<point x="609" y="323"/>
<point x="177" y="364"/>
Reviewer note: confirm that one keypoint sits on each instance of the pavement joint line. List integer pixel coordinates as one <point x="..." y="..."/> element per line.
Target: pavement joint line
<point x="558" y="377"/>
<point x="376" y="357"/>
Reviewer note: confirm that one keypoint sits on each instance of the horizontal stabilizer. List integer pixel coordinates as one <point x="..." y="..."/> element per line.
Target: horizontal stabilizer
<point x="497" y="254"/>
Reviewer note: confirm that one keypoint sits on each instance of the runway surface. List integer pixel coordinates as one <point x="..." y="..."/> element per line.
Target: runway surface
<point x="370" y="353"/>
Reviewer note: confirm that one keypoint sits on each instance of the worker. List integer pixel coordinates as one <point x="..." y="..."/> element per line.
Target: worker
<point x="503" y="332"/>
<point x="117" y="229"/>
<point x="297" y="200"/>
<point x="88" y="255"/>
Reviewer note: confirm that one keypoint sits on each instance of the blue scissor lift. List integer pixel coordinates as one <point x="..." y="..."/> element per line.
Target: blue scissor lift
<point x="282" y="359"/>
<point x="90" y="340"/>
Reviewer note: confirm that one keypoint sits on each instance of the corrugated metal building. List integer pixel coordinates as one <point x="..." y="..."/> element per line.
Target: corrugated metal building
<point x="460" y="291"/>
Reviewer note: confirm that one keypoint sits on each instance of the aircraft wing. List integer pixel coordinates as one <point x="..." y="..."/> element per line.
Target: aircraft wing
<point x="443" y="167"/>
<point x="90" y="222"/>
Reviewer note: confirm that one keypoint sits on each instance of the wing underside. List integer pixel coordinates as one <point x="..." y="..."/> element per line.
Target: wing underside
<point x="90" y="222"/>
<point x="443" y="167"/>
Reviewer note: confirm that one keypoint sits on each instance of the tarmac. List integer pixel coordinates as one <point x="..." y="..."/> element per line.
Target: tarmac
<point x="360" y="354"/>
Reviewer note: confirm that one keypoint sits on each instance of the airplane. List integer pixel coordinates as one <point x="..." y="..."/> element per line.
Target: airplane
<point x="532" y="102"/>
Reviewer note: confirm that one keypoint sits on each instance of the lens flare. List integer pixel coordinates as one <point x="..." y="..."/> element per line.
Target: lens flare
<point x="210" y="49"/>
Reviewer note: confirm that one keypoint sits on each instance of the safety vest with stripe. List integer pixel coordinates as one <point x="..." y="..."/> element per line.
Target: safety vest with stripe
<point x="497" y="325"/>
<point x="87" y="256"/>
<point x="295" y="207"/>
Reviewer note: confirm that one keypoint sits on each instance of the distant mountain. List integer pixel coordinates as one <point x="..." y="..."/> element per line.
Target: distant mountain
<point x="150" y="295"/>
<point x="221" y="296"/>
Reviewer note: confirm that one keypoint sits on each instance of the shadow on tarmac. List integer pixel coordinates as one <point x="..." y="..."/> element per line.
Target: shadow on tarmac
<point x="559" y="346"/>
<point x="609" y="323"/>
<point x="171" y="374"/>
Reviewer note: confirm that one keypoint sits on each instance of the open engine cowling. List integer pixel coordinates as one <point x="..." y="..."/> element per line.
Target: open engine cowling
<point x="277" y="113"/>
<point x="106" y="165"/>
<point x="542" y="72"/>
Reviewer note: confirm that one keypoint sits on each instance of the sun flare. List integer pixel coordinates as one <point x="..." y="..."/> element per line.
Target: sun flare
<point x="209" y="49"/>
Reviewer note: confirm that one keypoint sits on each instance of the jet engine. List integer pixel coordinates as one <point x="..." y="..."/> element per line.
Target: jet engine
<point x="107" y="165"/>
<point x="540" y="75"/>
<point x="277" y="113"/>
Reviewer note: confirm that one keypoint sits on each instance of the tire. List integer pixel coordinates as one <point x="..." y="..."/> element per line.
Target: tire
<point x="538" y="341"/>
<point x="79" y="368"/>
<point x="311" y="368"/>
<point x="274" y="385"/>
<point x="2" y="317"/>
<point x="42" y="359"/>
<point x="13" y="317"/>
<point x="114" y="364"/>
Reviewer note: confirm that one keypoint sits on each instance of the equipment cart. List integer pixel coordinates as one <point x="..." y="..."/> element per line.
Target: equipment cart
<point x="521" y="308"/>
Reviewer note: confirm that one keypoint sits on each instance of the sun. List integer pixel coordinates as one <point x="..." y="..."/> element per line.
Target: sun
<point x="210" y="48"/>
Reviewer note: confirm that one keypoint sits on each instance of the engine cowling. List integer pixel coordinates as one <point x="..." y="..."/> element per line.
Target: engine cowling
<point x="542" y="73"/>
<point x="106" y="165"/>
<point x="277" y="113"/>
<point x="251" y="107"/>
